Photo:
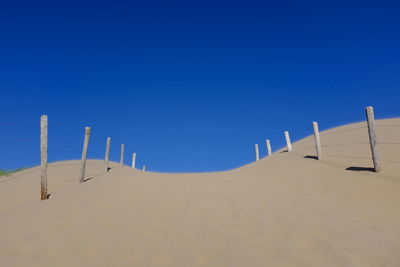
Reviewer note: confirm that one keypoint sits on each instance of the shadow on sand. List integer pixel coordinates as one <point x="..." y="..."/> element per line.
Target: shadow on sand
<point x="360" y="169"/>
<point x="352" y="168"/>
<point x="310" y="157"/>
<point x="88" y="179"/>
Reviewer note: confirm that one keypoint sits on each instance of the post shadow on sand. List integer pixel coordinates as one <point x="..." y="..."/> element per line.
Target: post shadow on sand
<point x="352" y="168"/>
<point x="311" y="157"/>
<point x="88" y="179"/>
<point x="360" y="169"/>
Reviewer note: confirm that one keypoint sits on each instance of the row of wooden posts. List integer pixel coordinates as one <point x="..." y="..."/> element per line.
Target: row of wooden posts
<point x="371" y="132"/>
<point x="44" y="149"/>
<point x="43" y="146"/>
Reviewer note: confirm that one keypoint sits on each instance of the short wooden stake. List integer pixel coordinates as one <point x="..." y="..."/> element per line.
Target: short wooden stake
<point x="107" y="156"/>
<point x="317" y="140"/>
<point x="84" y="154"/>
<point x="121" y="161"/>
<point x="144" y="168"/>
<point x="133" y="160"/>
<point x="269" y="150"/>
<point x="372" y="138"/>
<point x="288" y="143"/>
<point x="257" y="152"/>
<point x="43" y="154"/>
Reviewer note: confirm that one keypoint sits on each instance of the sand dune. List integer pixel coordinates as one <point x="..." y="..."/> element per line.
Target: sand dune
<point x="285" y="210"/>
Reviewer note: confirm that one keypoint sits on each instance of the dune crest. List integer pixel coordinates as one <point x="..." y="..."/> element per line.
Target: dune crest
<point x="285" y="210"/>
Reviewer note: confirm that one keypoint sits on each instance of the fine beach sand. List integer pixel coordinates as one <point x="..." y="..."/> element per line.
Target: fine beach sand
<point x="285" y="210"/>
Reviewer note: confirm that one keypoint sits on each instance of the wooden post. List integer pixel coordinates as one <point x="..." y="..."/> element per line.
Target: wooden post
<point x="257" y="153"/>
<point x="43" y="154"/>
<point x="317" y="140"/>
<point x="372" y="138"/>
<point x="133" y="160"/>
<point x="121" y="161"/>
<point x="84" y="154"/>
<point x="144" y="168"/>
<point x="107" y="154"/>
<point x="288" y="143"/>
<point x="269" y="150"/>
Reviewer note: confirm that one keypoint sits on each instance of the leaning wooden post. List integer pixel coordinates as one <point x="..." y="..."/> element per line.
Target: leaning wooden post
<point x="288" y="143"/>
<point x="43" y="154"/>
<point x="107" y="154"/>
<point x="372" y="138"/>
<point x="257" y="152"/>
<point x="133" y="160"/>
<point x="121" y="161"/>
<point x="269" y="150"/>
<point x="317" y="140"/>
<point x="84" y="154"/>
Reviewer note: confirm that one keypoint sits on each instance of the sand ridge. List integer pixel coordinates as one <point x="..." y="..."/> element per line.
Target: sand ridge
<point x="285" y="210"/>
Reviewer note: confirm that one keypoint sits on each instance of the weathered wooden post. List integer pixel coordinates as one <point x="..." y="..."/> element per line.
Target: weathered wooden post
<point x="269" y="150"/>
<point x="288" y="143"/>
<point x="121" y="161"/>
<point x="317" y="140"/>
<point x="144" y="168"/>
<point x="107" y="154"/>
<point x="257" y="153"/>
<point x="84" y="154"/>
<point x="133" y="160"/>
<point x="43" y="154"/>
<point x="372" y="138"/>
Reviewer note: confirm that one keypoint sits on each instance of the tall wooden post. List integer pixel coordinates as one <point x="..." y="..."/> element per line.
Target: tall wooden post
<point x="121" y="161"/>
<point x="43" y="154"/>
<point x="133" y="160"/>
<point x="288" y="143"/>
<point x="107" y="156"/>
<point x="372" y="138"/>
<point x="257" y="152"/>
<point x="269" y="149"/>
<point x="84" y="154"/>
<point x="317" y="140"/>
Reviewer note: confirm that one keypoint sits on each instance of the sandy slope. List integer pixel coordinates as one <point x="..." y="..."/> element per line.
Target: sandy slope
<point x="285" y="210"/>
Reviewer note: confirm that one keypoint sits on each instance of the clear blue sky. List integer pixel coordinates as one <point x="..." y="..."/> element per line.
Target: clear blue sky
<point x="190" y="86"/>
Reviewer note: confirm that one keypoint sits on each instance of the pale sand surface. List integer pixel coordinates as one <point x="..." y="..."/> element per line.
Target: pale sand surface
<point x="285" y="210"/>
